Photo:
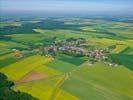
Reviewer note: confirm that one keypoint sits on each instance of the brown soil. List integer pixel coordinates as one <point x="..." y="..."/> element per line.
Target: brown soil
<point x="31" y="77"/>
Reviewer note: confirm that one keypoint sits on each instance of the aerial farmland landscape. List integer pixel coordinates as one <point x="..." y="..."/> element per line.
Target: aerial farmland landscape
<point x="66" y="53"/>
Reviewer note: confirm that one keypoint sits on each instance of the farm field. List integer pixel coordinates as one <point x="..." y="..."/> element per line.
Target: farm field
<point x="68" y="58"/>
<point x="98" y="79"/>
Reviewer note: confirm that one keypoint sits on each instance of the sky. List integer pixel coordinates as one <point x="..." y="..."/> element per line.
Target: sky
<point x="67" y="6"/>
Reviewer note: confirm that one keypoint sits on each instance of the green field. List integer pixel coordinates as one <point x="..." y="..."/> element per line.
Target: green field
<point x="66" y="76"/>
<point x="23" y="67"/>
<point x="3" y="24"/>
<point x="102" y="82"/>
<point x="123" y="59"/>
<point x="61" y="66"/>
<point x="47" y="89"/>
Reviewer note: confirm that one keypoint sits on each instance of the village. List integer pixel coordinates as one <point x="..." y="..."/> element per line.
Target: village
<point x="73" y="47"/>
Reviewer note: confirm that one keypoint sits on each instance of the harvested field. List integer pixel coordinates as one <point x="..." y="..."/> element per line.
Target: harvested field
<point x="32" y="76"/>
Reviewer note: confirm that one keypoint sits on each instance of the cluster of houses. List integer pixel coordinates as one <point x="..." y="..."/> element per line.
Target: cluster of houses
<point x="111" y="63"/>
<point x="17" y="53"/>
<point x="100" y="55"/>
<point x="72" y="47"/>
<point x="69" y="46"/>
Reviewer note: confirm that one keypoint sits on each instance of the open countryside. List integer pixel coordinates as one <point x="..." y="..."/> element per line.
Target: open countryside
<point x="66" y="57"/>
